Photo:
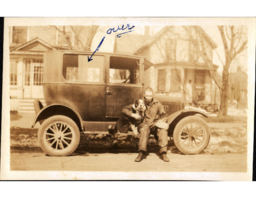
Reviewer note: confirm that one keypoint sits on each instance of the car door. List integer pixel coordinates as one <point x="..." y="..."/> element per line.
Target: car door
<point x="84" y="86"/>
<point x="124" y="86"/>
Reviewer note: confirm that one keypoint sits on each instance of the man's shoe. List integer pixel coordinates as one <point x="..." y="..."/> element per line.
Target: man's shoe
<point x="139" y="157"/>
<point x="164" y="157"/>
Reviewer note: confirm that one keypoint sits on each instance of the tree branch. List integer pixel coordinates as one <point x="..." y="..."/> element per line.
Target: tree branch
<point x="102" y="29"/>
<point x="67" y="37"/>
<point x="58" y="29"/>
<point x="90" y="37"/>
<point x="224" y="41"/>
<point x="239" y="39"/>
<point x="218" y="56"/>
<point x="227" y="33"/>
<point x="232" y="41"/>
<point x="77" y="38"/>
<point x="242" y="48"/>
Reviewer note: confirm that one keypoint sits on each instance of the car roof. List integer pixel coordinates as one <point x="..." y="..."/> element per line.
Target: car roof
<point x="101" y="53"/>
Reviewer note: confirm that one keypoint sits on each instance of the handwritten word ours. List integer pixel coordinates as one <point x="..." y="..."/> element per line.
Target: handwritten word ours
<point x="110" y="30"/>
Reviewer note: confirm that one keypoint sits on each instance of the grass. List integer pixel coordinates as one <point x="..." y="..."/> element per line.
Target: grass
<point x="231" y="140"/>
<point x="226" y="119"/>
<point x="233" y="132"/>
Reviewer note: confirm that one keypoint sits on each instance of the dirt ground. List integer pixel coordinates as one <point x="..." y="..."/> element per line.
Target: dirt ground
<point x="230" y="159"/>
<point x="231" y="162"/>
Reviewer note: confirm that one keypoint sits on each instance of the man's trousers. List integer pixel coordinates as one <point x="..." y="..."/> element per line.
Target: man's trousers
<point x="160" y="135"/>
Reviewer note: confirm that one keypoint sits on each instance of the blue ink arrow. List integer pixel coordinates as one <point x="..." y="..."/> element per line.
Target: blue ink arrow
<point x="97" y="49"/>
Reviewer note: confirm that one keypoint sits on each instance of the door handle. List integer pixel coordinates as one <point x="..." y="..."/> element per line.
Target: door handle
<point x="109" y="92"/>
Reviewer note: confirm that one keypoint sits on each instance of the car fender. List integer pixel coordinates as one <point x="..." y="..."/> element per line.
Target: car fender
<point x="59" y="109"/>
<point x="183" y="113"/>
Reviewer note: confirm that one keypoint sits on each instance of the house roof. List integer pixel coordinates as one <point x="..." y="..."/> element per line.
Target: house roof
<point x="35" y="44"/>
<point x="151" y="40"/>
<point x="162" y="32"/>
<point x="135" y="43"/>
<point x="129" y="43"/>
<point x="214" y="45"/>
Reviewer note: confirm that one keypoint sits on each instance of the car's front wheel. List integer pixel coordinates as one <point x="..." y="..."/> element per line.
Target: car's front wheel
<point x="59" y="136"/>
<point x="191" y="135"/>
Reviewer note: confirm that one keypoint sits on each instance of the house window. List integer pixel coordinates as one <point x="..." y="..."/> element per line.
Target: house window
<point x="19" y="34"/>
<point x="170" y="50"/>
<point x="65" y="36"/>
<point x="161" y="80"/>
<point x="13" y="72"/>
<point x="38" y="75"/>
<point x="76" y="68"/>
<point x="200" y="76"/>
<point x="37" y="60"/>
<point x="38" y="71"/>
<point x="175" y="79"/>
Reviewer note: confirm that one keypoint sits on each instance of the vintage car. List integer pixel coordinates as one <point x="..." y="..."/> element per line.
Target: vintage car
<point x="82" y="96"/>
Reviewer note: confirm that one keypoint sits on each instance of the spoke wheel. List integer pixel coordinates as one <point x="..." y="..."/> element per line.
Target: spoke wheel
<point x="59" y="136"/>
<point x="191" y="135"/>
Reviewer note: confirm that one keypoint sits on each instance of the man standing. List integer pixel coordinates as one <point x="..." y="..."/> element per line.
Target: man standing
<point x="154" y="122"/>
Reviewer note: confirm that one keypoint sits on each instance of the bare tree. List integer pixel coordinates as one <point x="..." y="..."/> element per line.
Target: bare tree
<point x="77" y="37"/>
<point x="235" y="41"/>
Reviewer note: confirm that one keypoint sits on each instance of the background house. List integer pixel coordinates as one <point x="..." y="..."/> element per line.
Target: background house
<point x="238" y="87"/>
<point x="27" y="47"/>
<point x="171" y="61"/>
<point x="175" y="63"/>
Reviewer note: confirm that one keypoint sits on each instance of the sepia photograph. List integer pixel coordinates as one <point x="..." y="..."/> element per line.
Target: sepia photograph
<point x="128" y="99"/>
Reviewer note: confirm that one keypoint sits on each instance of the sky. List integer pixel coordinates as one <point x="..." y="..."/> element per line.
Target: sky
<point x="212" y="31"/>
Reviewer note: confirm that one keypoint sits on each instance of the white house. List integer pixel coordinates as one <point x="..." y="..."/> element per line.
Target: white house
<point x="176" y="63"/>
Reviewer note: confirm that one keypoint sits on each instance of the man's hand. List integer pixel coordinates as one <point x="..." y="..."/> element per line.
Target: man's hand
<point x="162" y="125"/>
<point x="136" y="116"/>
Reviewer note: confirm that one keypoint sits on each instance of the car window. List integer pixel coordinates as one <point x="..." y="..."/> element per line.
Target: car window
<point x="124" y="70"/>
<point x="76" y="68"/>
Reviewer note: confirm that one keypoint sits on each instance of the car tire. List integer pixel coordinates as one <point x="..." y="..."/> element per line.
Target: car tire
<point x="191" y="135"/>
<point x="59" y="136"/>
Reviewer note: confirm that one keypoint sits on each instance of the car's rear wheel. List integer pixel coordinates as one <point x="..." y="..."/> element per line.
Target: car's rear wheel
<point x="59" y="136"/>
<point x="191" y="135"/>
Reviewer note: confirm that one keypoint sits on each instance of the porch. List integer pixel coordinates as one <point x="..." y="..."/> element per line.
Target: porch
<point x="26" y="82"/>
<point x="200" y="87"/>
<point x="23" y="105"/>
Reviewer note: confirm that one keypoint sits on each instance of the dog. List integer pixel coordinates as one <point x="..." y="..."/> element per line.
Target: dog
<point x="126" y="123"/>
<point x="140" y="108"/>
